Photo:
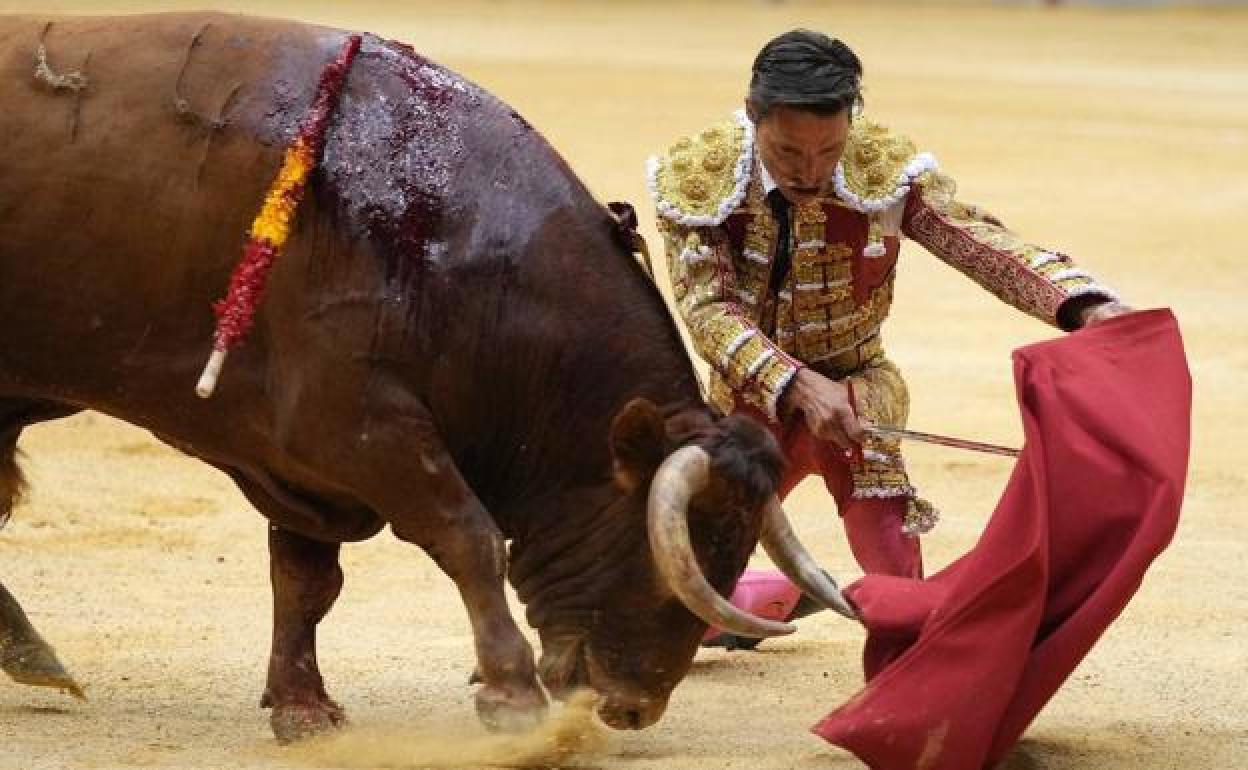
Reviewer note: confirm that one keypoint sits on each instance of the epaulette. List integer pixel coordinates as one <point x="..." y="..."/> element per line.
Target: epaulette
<point x="878" y="167"/>
<point x="702" y="179"/>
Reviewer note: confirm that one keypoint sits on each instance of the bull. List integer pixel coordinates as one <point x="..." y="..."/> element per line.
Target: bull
<point x="457" y="343"/>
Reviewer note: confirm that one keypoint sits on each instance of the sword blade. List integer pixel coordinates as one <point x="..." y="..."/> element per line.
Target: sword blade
<point x="949" y="441"/>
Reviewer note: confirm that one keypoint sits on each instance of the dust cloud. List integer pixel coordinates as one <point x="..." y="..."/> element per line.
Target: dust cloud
<point x="570" y="732"/>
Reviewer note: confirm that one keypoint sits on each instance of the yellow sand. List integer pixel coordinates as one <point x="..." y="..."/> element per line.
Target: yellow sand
<point x="1120" y="137"/>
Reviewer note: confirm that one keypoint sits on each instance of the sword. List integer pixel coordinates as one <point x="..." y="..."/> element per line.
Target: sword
<point x="932" y="438"/>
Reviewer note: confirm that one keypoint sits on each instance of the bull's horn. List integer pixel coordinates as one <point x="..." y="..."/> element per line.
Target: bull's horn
<point x="682" y="475"/>
<point x="788" y="553"/>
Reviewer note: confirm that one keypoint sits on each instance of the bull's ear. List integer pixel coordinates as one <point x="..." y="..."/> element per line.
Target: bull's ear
<point x="638" y="441"/>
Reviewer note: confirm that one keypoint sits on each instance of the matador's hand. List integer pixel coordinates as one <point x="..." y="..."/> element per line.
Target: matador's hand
<point x="825" y="406"/>
<point x="1103" y="311"/>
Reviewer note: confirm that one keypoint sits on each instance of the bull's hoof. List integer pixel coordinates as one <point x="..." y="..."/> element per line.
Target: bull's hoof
<point x="294" y="722"/>
<point x="508" y="712"/>
<point x="34" y="663"/>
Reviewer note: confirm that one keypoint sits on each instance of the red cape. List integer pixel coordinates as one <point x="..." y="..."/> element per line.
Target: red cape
<point x="958" y="665"/>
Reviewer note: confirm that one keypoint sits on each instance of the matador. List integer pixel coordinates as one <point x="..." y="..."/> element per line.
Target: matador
<point x="782" y="229"/>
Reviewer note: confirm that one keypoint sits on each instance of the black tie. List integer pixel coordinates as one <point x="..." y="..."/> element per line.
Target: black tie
<point x="782" y="211"/>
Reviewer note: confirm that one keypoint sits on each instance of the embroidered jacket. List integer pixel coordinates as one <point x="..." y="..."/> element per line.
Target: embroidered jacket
<point x="721" y="238"/>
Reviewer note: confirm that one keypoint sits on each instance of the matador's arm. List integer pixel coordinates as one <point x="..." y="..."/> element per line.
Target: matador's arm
<point x="1043" y="283"/>
<point x="704" y="285"/>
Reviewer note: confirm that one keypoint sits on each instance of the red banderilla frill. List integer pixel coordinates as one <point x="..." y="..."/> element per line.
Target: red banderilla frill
<point x="236" y="313"/>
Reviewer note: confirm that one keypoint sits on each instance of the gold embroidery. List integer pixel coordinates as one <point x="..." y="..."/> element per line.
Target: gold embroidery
<point x="742" y="365"/>
<point x="967" y="238"/>
<point x="814" y="308"/>
<point x="881" y="396"/>
<point x="810" y="222"/>
<point x="696" y="188"/>
<point x="718" y="294"/>
<point x="716" y="159"/>
<point x="699" y="173"/>
<point x="725" y="333"/>
<point x="874" y="159"/>
<point x="836" y="270"/>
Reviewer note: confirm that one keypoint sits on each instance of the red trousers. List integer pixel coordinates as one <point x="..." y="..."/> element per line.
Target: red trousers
<point x="873" y="525"/>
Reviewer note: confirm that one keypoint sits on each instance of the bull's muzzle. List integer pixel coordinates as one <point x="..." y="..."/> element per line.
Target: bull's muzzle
<point x="622" y="710"/>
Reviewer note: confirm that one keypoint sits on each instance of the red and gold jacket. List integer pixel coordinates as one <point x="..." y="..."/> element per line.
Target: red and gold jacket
<point x="721" y="238"/>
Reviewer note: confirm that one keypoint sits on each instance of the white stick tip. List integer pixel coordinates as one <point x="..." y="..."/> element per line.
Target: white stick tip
<point x="212" y="370"/>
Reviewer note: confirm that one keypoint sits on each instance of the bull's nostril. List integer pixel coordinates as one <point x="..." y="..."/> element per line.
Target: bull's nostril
<point x="634" y="718"/>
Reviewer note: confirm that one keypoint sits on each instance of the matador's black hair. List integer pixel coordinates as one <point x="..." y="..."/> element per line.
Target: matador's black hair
<point x="807" y="70"/>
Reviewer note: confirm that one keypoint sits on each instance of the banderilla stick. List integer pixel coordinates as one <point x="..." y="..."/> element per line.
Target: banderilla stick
<point x="949" y="441"/>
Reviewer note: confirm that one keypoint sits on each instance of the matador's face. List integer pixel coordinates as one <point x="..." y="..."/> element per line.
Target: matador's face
<point x="801" y="149"/>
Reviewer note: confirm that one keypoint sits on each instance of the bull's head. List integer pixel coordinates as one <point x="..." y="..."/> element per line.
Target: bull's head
<point x="622" y="603"/>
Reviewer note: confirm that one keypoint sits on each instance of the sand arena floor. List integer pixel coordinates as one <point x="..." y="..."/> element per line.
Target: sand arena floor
<point x="1121" y="138"/>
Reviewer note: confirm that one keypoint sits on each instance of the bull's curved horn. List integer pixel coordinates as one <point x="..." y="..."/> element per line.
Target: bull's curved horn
<point x="682" y="475"/>
<point x="797" y="564"/>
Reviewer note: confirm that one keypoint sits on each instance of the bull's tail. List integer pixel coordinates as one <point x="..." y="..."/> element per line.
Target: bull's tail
<point x="12" y="481"/>
<point x="16" y="415"/>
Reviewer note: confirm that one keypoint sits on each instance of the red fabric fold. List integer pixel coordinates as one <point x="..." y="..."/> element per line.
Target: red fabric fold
<point x="959" y="664"/>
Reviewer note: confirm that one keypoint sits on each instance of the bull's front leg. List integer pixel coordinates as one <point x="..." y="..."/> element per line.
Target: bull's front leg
<point x="399" y="467"/>
<point x="427" y="502"/>
<point x="469" y="548"/>
<point x="306" y="580"/>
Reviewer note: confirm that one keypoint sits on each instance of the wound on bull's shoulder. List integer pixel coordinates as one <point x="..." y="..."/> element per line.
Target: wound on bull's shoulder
<point x="70" y="81"/>
<point x="187" y="114"/>
<point x="182" y="105"/>
<point x="74" y="82"/>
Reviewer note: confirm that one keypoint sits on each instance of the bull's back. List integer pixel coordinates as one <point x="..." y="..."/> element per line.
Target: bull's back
<point x="130" y="167"/>
<point x="440" y="231"/>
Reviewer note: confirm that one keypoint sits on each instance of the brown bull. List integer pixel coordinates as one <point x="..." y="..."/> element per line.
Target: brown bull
<point x="455" y="344"/>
